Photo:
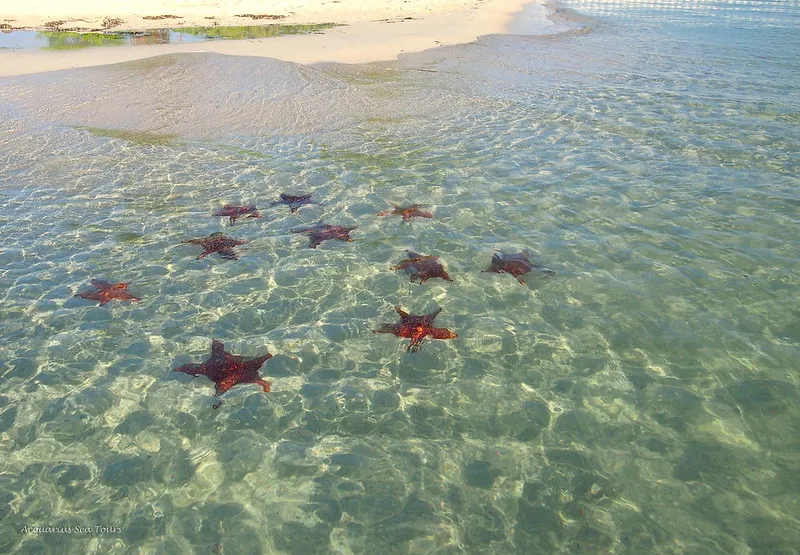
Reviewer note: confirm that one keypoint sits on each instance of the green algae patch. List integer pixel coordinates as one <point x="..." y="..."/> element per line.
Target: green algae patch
<point x="138" y="137"/>
<point x="66" y="40"/>
<point x="254" y="31"/>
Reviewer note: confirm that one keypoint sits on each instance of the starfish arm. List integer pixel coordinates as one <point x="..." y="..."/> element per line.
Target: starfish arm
<point x="225" y="384"/>
<point x="442" y="333"/>
<point x="425" y="214"/>
<point x="217" y="347"/>
<point x="314" y="243"/>
<point x="401" y="312"/>
<point x="293" y="209"/>
<point x="386" y="328"/>
<point x="90" y="295"/>
<point x="201" y="256"/>
<point x="265" y="385"/>
<point x="413" y="255"/>
<point x="445" y="276"/>
<point x="432" y="316"/>
<point x="384" y="212"/>
<point x="254" y="364"/>
<point x="193" y="369"/>
<point x="519" y="278"/>
<point x="228" y="254"/>
<point x="416" y="344"/>
<point x="101" y="284"/>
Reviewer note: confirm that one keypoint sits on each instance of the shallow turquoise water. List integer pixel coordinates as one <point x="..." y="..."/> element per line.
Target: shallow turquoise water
<point x="643" y="400"/>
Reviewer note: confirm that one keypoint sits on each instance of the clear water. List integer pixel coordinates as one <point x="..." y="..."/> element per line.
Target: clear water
<point x="642" y="400"/>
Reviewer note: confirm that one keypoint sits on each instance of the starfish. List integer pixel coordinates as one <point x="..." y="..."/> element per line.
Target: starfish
<point x="407" y="212"/>
<point x="515" y="264"/>
<point x="416" y="328"/>
<point x="422" y="267"/>
<point x="217" y="242"/>
<point x="294" y="201"/>
<point x="234" y="212"/>
<point x="107" y="291"/>
<point x="227" y="370"/>
<point x="321" y="232"/>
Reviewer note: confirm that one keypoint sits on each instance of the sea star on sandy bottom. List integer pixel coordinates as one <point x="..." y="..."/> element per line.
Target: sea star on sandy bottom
<point x="233" y="212"/>
<point x="416" y="327"/>
<point x="107" y="291"/>
<point x="294" y="201"/>
<point x="321" y="232"/>
<point x="422" y="267"/>
<point x="515" y="264"/>
<point x="217" y="242"/>
<point x="407" y="212"/>
<point x="227" y="370"/>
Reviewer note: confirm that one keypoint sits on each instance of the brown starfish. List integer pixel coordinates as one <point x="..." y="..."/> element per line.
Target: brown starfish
<point x="217" y="242"/>
<point x="422" y="267"/>
<point x="227" y="370"/>
<point x="107" y="291"/>
<point x="294" y="201"/>
<point x="407" y="212"/>
<point x="234" y="212"/>
<point x="515" y="264"/>
<point x="416" y="327"/>
<point x="321" y="232"/>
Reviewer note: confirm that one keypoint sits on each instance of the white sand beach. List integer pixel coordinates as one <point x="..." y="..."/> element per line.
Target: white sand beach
<point x="370" y="30"/>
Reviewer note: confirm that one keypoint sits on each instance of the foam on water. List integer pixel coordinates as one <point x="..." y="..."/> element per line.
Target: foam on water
<point x="643" y="399"/>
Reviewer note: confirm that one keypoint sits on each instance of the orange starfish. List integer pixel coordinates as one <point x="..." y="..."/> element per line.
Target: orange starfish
<point x="416" y="327"/>
<point x="232" y="212"/>
<point x="422" y="267"/>
<point x="515" y="264"/>
<point x="407" y="212"/>
<point x="217" y="242"/>
<point x="227" y="370"/>
<point x="107" y="291"/>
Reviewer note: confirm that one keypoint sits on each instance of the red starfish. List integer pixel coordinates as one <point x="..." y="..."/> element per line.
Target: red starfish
<point x="234" y="212"/>
<point x="217" y="242"/>
<point x="107" y="291"/>
<point x="422" y="267"/>
<point x="294" y="201"/>
<point x="227" y="370"/>
<point x="416" y="327"/>
<point x="407" y="212"/>
<point x="321" y="232"/>
<point x="515" y="264"/>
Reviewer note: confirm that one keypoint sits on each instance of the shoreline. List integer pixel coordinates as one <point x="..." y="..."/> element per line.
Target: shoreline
<point x="391" y="32"/>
